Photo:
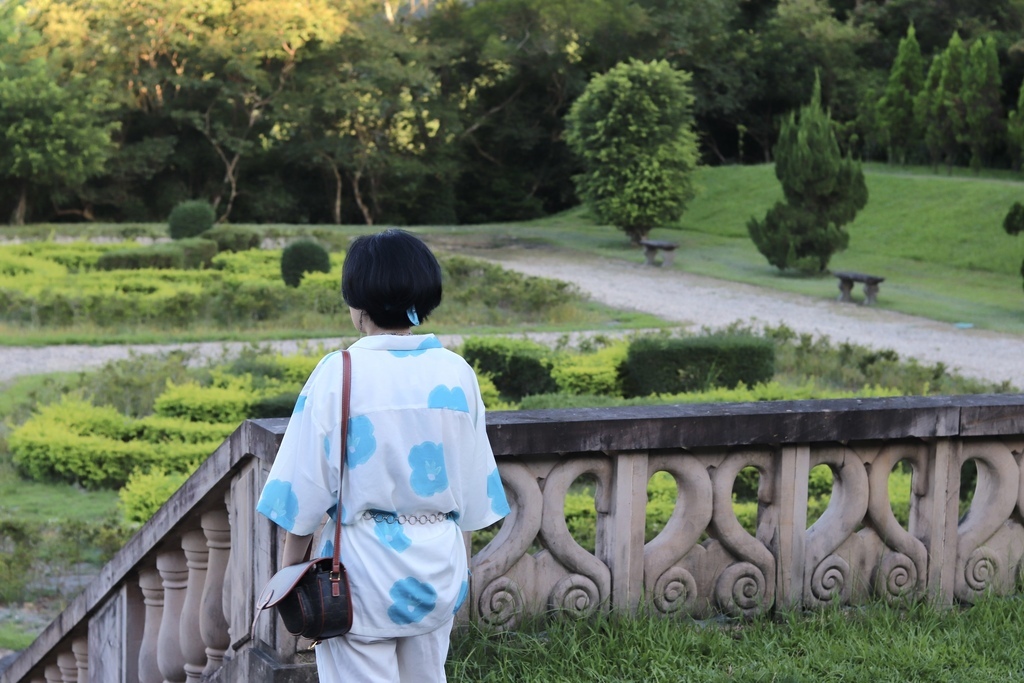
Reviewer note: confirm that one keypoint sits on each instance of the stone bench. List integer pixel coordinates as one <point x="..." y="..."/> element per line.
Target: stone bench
<point x="870" y="282"/>
<point x="652" y="247"/>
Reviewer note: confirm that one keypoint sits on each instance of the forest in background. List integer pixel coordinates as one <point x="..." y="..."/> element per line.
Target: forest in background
<point x="420" y="112"/>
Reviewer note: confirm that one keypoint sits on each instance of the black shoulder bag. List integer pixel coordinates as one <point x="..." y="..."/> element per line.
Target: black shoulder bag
<point x="313" y="597"/>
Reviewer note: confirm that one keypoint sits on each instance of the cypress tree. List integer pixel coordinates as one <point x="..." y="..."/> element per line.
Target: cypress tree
<point x="947" y="124"/>
<point x="982" y="99"/>
<point x="1015" y="128"/>
<point x="925" y="110"/>
<point x="823" y="189"/>
<point x="896" y="107"/>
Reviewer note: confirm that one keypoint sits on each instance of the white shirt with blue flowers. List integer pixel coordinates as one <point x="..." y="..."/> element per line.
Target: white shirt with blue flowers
<point x="417" y="445"/>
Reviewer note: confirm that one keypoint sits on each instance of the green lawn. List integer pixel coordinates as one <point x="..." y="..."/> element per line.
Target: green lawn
<point x="871" y="644"/>
<point x="937" y="239"/>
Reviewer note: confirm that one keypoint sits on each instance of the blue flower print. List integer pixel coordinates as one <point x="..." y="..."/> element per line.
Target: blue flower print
<point x="428" y="472"/>
<point x="413" y="600"/>
<point x="451" y="399"/>
<point x="391" y="534"/>
<point x="327" y="447"/>
<point x="496" y="492"/>
<point x="361" y="442"/>
<point x="328" y="550"/>
<point x="428" y="343"/>
<point x="300" y="403"/>
<point x="279" y="503"/>
<point x="463" y="592"/>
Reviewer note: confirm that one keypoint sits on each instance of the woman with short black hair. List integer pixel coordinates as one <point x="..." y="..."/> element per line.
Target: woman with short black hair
<point x="419" y="470"/>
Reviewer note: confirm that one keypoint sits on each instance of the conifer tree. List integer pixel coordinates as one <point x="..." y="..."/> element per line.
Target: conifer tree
<point x="823" y="189"/>
<point x="982" y="99"/>
<point x="940" y="106"/>
<point x="896" y="107"/>
<point x="1015" y="128"/>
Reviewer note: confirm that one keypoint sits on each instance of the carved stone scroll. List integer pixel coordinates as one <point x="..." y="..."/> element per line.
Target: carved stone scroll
<point x="983" y="563"/>
<point x="747" y="586"/>
<point x="827" y="576"/>
<point x="588" y="586"/>
<point x="499" y="600"/>
<point x="670" y="588"/>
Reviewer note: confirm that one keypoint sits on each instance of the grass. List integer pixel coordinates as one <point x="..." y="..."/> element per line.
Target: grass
<point x="937" y="239"/>
<point x="14" y="636"/>
<point x="876" y="643"/>
<point x="583" y="316"/>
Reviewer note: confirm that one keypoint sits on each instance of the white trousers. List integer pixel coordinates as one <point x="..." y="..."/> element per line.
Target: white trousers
<point x="359" y="659"/>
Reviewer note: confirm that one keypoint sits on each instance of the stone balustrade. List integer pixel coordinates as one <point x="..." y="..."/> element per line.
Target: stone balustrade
<point x="176" y="603"/>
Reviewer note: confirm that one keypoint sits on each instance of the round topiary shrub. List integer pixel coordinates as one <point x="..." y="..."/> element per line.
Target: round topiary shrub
<point x="299" y="258"/>
<point x="189" y="219"/>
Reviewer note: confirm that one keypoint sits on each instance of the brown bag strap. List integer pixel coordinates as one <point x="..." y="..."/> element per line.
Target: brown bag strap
<point x="346" y="392"/>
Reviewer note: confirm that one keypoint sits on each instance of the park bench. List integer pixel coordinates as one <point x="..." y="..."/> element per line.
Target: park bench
<point x="846" y="280"/>
<point x="652" y="247"/>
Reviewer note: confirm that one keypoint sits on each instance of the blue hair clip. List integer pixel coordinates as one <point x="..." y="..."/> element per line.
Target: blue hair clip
<point x="414" y="318"/>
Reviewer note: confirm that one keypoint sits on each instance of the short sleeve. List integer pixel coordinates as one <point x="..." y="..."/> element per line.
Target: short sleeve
<point x="298" y="491"/>
<point x="484" y="497"/>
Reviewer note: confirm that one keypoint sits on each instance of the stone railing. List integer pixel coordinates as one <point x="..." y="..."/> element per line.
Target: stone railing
<point x="176" y="603"/>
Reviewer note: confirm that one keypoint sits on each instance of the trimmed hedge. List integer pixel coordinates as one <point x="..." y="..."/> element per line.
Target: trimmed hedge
<point x="198" y="252"/>
<point x="517" y="367"/>
<point x="144" y="493"/>
<point x="233" y="238"/>
<point x="299" y="258"/>
<point x="190" y="401"/>
<point x="190" y="218"/>
<point x="156" y="256"/>
<point x="97" y="447"/>
<point x="591" y="373"/>
<point x="664" y="365"/>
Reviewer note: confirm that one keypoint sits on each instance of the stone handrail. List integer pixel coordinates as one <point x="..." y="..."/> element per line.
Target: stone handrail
<point x="176" y="603"/>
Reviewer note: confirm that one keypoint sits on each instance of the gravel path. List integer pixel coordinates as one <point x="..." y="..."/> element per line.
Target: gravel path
<point x="673" y="295"/>
<point x="702" y="301"/>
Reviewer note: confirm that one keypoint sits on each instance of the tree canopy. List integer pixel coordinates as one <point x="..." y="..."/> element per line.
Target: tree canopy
<point x="451" y="111"/>
<point x="632" y="129"/>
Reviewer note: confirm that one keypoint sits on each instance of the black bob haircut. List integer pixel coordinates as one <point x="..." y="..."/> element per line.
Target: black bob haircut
<point x="388" y="273"/>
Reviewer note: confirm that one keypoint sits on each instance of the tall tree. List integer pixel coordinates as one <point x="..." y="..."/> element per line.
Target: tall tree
<point x="982" y="97"/>
<point x="55" y="127"/>
<point x="520" y="65"/>
<point x="940" y="105"/>
<point x="369" y="110"/>
<point x="633" y="130"/>
<point x="896" y="107"/>
<point x="1015" y="128"/>
<point x="823" y="189"/>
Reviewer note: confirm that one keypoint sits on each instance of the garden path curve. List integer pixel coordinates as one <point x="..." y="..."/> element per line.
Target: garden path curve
<point x="701" y="301"/>
<point x="671" y="294"/>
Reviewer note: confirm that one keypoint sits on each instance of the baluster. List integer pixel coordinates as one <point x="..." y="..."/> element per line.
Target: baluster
<point x="213" y="625"/>
<point x="153" y="597"/>
<point x="226" y="597"/>
<point x="52" y="674"/>
<point x="68" y="668"/>
<point x="174" y="573"/>
<point x="192" y="648"/>
<point x="80" y="649"/>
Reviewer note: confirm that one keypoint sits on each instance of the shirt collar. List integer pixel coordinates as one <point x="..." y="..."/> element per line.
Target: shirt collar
<point x="398" y="342"/>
